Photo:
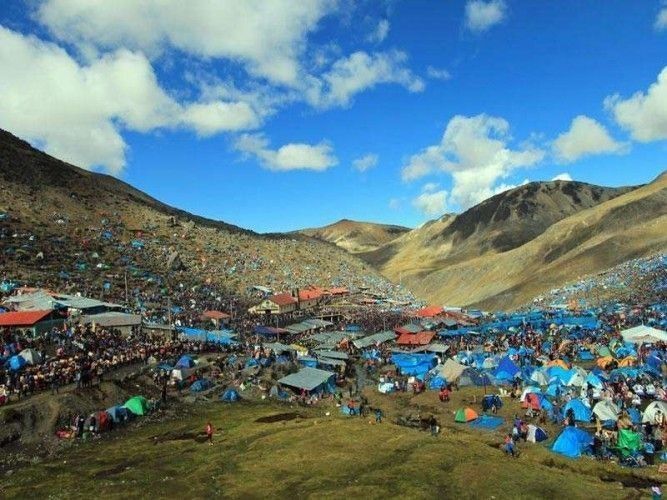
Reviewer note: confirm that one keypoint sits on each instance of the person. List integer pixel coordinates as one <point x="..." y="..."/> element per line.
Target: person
<point x="433" y="425"/>
<point x="509" y="445"/>
<point x="378" y="416"/>
<point x="209" y="433"/>
<point x="444" y="394"/>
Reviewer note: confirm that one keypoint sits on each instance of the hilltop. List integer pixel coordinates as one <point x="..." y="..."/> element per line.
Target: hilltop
<point x="63" y="225"/>
<point x="525" y="241"/>
<point x="355" y="236"/>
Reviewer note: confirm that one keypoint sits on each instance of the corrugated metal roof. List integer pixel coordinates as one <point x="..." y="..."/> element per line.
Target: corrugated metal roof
<point x="112" y="319"/>
<point x="376" y="338"/>
<point x="332" y="354"/>
<point x="306" y="378"/>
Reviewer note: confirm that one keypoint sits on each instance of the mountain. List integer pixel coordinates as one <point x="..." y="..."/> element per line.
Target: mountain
<point x="67" y="227"/>
<point x="525" y="241"/>
<point x="356" y="237"/>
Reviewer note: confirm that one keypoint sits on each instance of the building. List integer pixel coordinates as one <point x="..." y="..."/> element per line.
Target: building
<point x="282" y="303"/>
<point x="35" y="322"/>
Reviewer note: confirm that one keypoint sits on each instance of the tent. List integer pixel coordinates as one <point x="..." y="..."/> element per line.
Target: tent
<point x="532" y="401"/>
<point x="487" y="422"/>
<point x="506" y="370"/>
<point x="490" y="400"/>
<point x="185" y="362"/>
<point x="629" y="442"/>
<point x="118" y="414"/>
<point x="31" y="356"/>
<point x="594" y="381"/>
<point x="652" y="409"/>
<point x="606" y="410"/>
<point x="631" y="334"/>
<point x="452" y="370"/>
<point x="536" y="434"/>
<point x="558" y="362"/>
<point x="201" y="385"/>
<point x="582" y="413"/>
<point x="230" y="396"/>
<point x="465" y="415"/>
<point x="539" y="377"/>
<point x="138" y="405"/>
<point x="414" y="364"/>
<point x="572" y="442"/>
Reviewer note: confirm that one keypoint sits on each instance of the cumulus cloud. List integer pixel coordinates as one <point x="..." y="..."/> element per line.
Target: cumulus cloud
<point x="430" y="202"/>
<point x="475" y="151"/>
<point x="267" y="36"/>
<point x="76" y="112"/>
<point x="365" y="162"/>
<point x="360" y="71"/>
<point x="380" y="32"/>
<point x="585" y="137"/>
<point x="481" y="15"/>
<point x="562" y="177"/>
<point x="293" y="156"/>
<point x="644" y="114"/>
<point x="661" y="20"/>
<point x="438" y="74"/>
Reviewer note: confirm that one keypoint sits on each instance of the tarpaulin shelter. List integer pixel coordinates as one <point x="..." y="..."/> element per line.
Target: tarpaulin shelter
<point x="652" y="409"/>
<point x="31" y="356"/>
<point x="201" y="385"/>
<point x="451" y="370"/>
<point x="506" y="369"/>
<point x="414" y="364"/>
<point x="307" y="378"/>
<point x="572" y="442"/>
<point x="629" y="442"/>
<point x="487" y="422"/>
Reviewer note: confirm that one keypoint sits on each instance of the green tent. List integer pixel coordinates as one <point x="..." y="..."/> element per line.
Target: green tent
<point x="629" y="442"/>
<point x="463" y="415"/>
<point x="604" y="351"/>
<point x="137" y="405"/>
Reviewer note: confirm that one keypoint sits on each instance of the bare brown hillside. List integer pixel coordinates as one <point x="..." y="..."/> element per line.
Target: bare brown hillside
<point x="516" y="245"/>
<point x="356" y="237"/>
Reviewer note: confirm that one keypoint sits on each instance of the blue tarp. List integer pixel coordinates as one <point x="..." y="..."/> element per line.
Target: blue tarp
<point x="506" y="369"/>
<point x="414" y="364"/>
<point x="572" y="442"/>
<point x="118" y="414"/>
<point x="486" y="422"/>
<point x="16" y="363"/>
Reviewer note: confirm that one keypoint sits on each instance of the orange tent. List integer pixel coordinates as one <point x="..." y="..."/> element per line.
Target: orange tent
<point x="465" y="415"/>
<point x="627" y="361"/>
<point x="558" y="362"/>
<point x="604" y="361"/>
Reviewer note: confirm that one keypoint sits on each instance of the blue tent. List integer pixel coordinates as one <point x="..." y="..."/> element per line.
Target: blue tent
<point x="414" y="364"/>
<point x="16" y="363"/>
<point x="582" y="413"/>
<point x="487" y="422"/>
<point x="506" y="369"/>
<point x="491" y="399"/>
<point x="559" y="374"/>
<point x="572" y="442"/>
<point x="585" y="355"/>
<point x="201" y="385"/>
<point x="437" y="382"/>
<point x="635" y="415"/>
<point x="118" y="414"/>
<point x="594" y="380"/>
<point x="230" y="396"/>
<point x="540" y="435"/>
<point x="185" y="362"/>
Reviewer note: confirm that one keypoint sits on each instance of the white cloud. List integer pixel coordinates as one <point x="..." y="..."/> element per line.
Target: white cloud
<point x="358" y="72"/>
<point x="365" y="162"/>
<point x="431" y="203"/>
<point x="267" y="36"/>
<point x="475" y="151"/>
<point x="438" y="74"/>
<point x="481" y="15"/>
<point x="294" y="156"/>
<point x="501" y="188"/>
<point x="77" y="112"/>
<point x="562" y="177"/>
<point x="661" y="20"/>
<point x="585" y="137"/>
<point x="380" y="32"/>
<point x="430" y="187"/>
<point x="645" y="113"/>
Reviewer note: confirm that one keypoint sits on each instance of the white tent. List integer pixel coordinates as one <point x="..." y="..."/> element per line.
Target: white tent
<point x="652" y="409"/>
<point x="643" y="333"/>
<point x="577" y="380"/>
<point x="606" y="410"/>
<point x="536" y="434"/>
<point x="451" y="370"/>
<point x="539" y="377"/>
<point x="31" y="356"/>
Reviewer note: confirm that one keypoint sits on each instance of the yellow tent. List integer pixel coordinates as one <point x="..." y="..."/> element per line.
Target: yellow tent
<point x="604" y="361"/>
<point x="627" y="361"/>
<point x="558" y="362"/>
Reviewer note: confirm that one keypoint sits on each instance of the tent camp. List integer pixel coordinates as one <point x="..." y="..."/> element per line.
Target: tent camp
<point x="572" y="442"/>
<point x="643" y="333"/>
<point x="307" y="378"/>
<point x="582" y="413"/>
<point x="414" y="364"/>
<point x="230" y="396"/>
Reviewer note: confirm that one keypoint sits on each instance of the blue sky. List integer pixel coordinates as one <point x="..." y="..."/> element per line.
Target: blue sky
<point x="277" y="115"/>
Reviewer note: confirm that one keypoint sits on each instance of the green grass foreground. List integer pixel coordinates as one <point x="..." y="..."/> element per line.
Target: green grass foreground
<point x="314" y="456"/>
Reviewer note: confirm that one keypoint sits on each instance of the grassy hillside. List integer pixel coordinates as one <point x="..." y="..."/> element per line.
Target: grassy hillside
<point x="265" y="452"/>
